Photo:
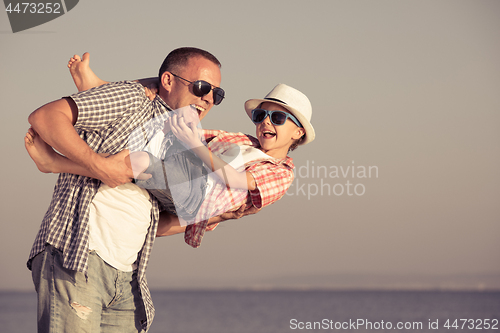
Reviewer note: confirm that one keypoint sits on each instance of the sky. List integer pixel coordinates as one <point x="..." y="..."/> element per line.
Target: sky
<point x="400" y="189"/>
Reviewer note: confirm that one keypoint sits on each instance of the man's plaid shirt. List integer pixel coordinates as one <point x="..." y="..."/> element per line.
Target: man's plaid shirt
<point x="272" y="177"/>
<point x="108" y="117"/>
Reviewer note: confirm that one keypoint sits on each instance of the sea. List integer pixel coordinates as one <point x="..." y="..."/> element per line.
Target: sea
<point x="277" y="311"/>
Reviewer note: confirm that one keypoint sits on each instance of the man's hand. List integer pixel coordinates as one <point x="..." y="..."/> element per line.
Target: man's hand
<point x="114" y="170"/>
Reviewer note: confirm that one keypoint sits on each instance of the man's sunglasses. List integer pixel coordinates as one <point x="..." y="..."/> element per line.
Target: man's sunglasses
<point x="202" y="88"/>
<point x="278" y="118"/>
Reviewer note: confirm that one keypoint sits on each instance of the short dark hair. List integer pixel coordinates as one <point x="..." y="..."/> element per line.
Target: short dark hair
<point x="178" y="58"/>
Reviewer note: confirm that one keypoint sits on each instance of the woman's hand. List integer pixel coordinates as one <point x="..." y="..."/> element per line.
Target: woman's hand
<point x="184" y="125"/>
<point x="151" y="92"/>
<point x="150" y="87"/>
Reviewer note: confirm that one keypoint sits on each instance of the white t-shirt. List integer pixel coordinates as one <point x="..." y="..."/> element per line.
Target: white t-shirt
<point x="118" y="223"/>
<point x="119" y="220"/>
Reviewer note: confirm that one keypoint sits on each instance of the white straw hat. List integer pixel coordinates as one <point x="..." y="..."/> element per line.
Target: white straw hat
<point x="291" y="99"/>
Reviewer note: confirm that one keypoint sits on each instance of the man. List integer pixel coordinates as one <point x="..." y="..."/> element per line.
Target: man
<point x="77" y="290"/>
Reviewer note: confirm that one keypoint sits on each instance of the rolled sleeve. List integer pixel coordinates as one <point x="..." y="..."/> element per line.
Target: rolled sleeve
<point x="99" y="107"/>
<point x="271" y="180"/>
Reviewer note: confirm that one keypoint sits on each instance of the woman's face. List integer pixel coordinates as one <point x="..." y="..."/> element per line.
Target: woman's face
<point x="275" y="140"/>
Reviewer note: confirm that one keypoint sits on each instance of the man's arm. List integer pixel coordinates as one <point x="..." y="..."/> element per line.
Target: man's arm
<point x="54" y="123"/>
<point x="169" y="224"/>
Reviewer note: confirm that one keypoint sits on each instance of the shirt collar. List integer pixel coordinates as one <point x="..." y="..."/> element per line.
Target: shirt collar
<point x="162" y="108"/>
<point x="288" y="161"/>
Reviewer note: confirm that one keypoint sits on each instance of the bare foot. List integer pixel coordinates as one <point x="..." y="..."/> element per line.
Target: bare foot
<point x="81" y="73"/>
<point x="40" y="152"/>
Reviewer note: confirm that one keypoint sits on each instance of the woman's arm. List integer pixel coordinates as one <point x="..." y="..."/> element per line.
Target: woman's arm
<point x="188" y="133"/>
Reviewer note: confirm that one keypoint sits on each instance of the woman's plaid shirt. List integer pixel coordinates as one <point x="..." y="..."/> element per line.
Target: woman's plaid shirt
<point x="111" y="118"/>
<point x="272" y="176"/>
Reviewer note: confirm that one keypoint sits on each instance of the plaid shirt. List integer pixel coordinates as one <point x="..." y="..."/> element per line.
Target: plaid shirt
<point x="111" y="118"/>
<point x="272" y="177"/>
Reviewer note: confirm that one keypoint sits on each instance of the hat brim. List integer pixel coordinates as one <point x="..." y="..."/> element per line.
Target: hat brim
<point x="310" y="134"/>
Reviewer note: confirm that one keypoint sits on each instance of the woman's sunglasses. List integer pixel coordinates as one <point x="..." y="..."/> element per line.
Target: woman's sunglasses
<point x="202" y="88"/>
<point x="278" y="118"/>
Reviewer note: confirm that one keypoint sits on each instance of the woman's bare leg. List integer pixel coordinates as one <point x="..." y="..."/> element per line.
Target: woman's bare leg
<point x="85" y="78"/>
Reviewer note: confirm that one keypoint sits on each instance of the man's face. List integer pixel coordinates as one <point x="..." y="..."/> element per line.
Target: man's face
<point x="179" y="93"/>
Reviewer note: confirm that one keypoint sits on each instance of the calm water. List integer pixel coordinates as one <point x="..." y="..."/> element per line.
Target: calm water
<point x="281" y="311"/>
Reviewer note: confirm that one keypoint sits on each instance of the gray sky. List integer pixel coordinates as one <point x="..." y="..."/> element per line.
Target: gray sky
<point x="409" y="88"/>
